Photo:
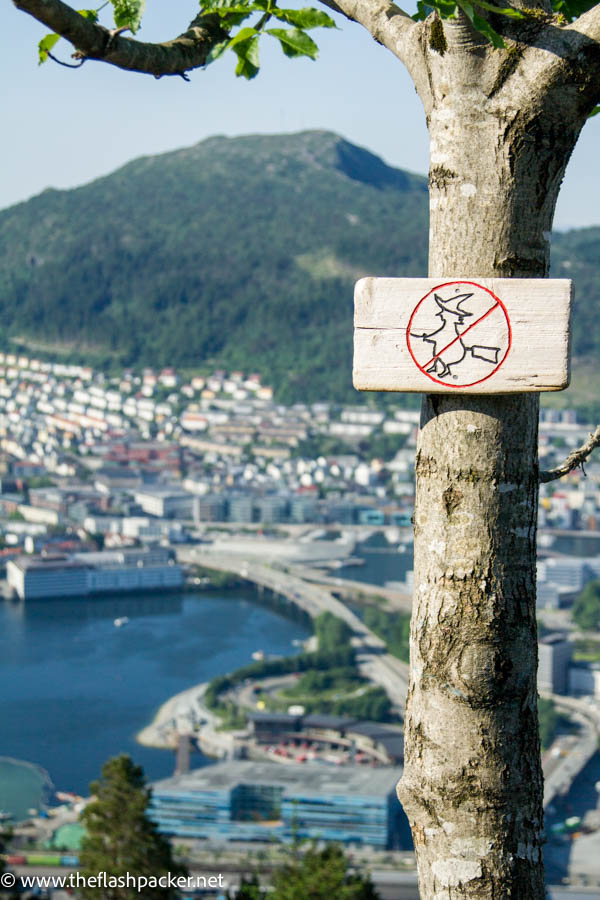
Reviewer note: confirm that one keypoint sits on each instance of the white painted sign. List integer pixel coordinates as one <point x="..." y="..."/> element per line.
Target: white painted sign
<point x="468" y="335"/>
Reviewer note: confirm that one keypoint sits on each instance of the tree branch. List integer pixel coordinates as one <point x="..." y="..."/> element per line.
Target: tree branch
<point x="588" y="24"/>
<point x="387" y="23"/>
<point x="574" y="459"/>
<point x="332" y="5"/>
<point x="559" y="59"/>
<point x="92" y="41"/>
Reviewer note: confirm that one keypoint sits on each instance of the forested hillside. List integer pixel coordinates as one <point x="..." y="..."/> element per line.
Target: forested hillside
<point x="236" y="252"/>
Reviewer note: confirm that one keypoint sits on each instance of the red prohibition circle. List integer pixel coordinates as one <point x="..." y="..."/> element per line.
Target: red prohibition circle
<point x="497" y="304"/>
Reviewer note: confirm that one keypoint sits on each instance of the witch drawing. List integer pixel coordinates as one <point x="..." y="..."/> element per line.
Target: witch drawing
<point x="448" y="346"/>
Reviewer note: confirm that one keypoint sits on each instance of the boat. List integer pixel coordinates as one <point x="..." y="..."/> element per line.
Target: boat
<point x="258" y="655"/>
<point x="5" y="816"/>
<point x="122" y="620"/>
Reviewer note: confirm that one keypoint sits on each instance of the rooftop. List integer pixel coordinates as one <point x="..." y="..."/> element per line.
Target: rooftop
<point x="306" y="779"/>
<point x="55" y="561"/>
<point x="557" y="637"/>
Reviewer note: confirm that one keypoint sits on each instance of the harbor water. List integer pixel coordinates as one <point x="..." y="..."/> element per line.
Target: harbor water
<point x="75" y="689"/>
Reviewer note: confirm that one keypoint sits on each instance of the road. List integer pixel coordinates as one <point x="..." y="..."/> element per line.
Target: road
<point x="353" y="589"/>
<point x="560" y="774"/>
<point x="372" y="658"/>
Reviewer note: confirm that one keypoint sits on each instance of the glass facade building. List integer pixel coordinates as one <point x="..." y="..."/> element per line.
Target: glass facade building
<point x="260" y="801"/>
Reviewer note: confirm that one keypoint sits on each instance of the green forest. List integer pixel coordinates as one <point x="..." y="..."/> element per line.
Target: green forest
<point x="234" y="253"/>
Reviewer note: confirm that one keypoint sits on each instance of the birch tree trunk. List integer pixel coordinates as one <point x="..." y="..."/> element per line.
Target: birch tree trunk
<point x="472" y="786"/>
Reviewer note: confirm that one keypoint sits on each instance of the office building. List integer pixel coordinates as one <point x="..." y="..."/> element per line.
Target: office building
<point x="84" y="574"/>
<point x="554" y="652"/>
<point x="263" y="801"/>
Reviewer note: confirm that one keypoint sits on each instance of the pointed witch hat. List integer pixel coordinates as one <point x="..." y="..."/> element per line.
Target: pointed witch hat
<point x="453" y="305"/>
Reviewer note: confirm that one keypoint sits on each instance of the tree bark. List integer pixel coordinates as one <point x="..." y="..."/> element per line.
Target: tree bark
<point x="472" y="786"/>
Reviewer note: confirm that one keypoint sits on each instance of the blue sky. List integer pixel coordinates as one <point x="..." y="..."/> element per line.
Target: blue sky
<point x="62" y="128"/>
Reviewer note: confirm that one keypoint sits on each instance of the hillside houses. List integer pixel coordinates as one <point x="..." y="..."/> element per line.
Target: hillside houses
<point x="157" y="457"/>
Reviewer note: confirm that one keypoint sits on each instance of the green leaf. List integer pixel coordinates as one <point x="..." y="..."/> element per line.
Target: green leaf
<point x="225" y="11"/>
<point x="446" y="8"/>
<point x="232" y="14"/>
<point x="307" y="17"/>
<point x="245" y="46"/>
<point x="46" y="45"/>
<point x="295" y="42"/>
<point x="247" y="53"/>
<point x="594" y="112"/>
<point x="128" y="13"/>
<point x="91" y="14"/>
<point x="244" y="35"/>
<point x="572" y="9"/>
<point x="481" y="25"/>
<point x="422" y="11"/>
<point x="502" y="11"/>
<point x="223" y="5"/>
<point x="233" y="17"/>
<point x="217" y="51"/>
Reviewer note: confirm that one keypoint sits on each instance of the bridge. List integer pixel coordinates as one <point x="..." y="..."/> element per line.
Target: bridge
<point x="373" y="660"/>
<point x="354" y="591"/>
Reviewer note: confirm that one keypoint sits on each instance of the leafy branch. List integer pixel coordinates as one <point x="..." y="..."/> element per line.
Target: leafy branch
<point x="294" y="41"/>
<point x="230" y="14"/>
<point x="127" y="15"/>
<point x="48" y="43"/>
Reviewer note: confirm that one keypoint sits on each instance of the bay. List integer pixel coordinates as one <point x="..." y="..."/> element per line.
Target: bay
<point x="75" y="689"/>
<point x="23" y="786"/>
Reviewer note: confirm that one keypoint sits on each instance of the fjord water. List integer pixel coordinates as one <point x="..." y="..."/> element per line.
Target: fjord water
<point x="75" y="689"/>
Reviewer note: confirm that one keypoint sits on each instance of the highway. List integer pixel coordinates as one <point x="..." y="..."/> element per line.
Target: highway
<point x="559" y="775"/>
<point x="372" y="658"/>
<point x="353" y="590"/>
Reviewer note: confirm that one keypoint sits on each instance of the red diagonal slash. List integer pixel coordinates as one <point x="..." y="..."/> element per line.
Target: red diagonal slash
<point x="462" y="334"/>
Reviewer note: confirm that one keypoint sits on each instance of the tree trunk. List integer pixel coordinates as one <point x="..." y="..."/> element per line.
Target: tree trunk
<point x="472" y="786"/>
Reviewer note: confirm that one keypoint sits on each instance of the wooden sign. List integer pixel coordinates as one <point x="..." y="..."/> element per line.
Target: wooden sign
<point x="468" y="335"/>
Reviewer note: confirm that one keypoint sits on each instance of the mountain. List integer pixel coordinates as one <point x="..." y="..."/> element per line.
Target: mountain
<point x="237" y="252"/>
<point x="241" y="252"/>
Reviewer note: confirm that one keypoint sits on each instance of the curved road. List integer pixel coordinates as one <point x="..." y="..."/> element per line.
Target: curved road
<point x="559" y="777"/>
<point x="374" y="662"/>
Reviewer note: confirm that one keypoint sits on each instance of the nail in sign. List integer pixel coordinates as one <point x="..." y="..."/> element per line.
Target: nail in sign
<point x="471" y="335"/>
